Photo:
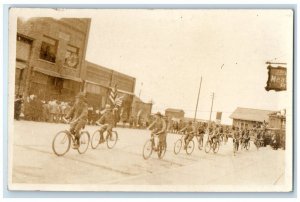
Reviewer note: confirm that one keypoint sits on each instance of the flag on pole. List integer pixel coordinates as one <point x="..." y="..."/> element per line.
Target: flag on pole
<point x="113" y="94"/>
<point x="115" y="100"/>
<point x="119" y="101"/>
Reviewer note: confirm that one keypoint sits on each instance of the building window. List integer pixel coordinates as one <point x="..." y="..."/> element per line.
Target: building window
<point x="71" y="57"/>
<point x="23" y="48"/>
<point x="48" y="49"/>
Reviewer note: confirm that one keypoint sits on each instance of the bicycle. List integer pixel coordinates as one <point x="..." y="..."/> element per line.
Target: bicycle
<point x="212" y="143"/>
<point x="190" y="145"/>
<point x="149" y="147"/>
<point x="259" y="143"/>
<point x="225" y="138"/>
<point x="61" y="142"/>
<point x="200" y="141"/>
<point x="235" y="145"/>
<point x="110" y="139"/>
<point x="245" y="144"/>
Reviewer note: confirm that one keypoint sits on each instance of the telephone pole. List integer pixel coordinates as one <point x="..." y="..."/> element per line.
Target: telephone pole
<point x="141" y="90"/>
<point x="198" y="100"/>
<point x="212" y="104"/>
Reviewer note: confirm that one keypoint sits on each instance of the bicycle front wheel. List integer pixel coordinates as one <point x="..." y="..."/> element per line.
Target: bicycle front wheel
<point x="190" y="147"/>
<point x="61" y="143"/>
<point x="111" y="140"/>
<point x="200" y="144"/>
<point x="177" y="146"/>
<point x="207" y="147"/>
<point x="248" y="145"/>
<point x="84" y="141"/>
<point x="243" y="146"/>
<point x="216" y="147"/>
<point x="95" y="139"/>
<point x="235" y="147"/>
<point x="147" y="149"/>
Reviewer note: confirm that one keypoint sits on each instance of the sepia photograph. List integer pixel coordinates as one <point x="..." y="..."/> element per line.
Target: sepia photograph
<point x="151" y="100"/>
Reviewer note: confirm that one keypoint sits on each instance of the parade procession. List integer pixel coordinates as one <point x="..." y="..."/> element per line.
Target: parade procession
<point x="95" y="104"/>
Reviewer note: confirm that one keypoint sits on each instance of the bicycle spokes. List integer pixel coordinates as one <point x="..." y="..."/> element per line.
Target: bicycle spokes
<point x="64" y="139"/>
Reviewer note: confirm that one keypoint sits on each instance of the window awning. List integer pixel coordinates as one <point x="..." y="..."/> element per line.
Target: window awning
<point x="94" y="83"/>
<point x="126" y="92"/>
<point x="55" y="74"/>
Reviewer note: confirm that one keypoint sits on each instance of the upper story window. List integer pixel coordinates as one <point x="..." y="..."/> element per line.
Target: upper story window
<point x="71" y="56"/>
<point x="48" y="49"/>
<point x="23" y="48"/>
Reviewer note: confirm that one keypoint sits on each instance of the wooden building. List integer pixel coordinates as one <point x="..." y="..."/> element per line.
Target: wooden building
<point x="249" y="118"/>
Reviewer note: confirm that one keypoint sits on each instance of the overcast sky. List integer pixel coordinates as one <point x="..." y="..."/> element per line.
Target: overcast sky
<point x="169" y="50"/>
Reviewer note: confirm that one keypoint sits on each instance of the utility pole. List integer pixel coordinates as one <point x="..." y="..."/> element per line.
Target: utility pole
<point x="212" y="104"/>
<point x="140" y="90"/>
<point x="198" y="100"/>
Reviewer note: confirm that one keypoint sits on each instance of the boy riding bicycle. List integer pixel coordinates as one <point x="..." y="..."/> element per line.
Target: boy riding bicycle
<point x="159" y="127"/>
<point x="108" y="121"/>
<point x="201" y="131"/>
<point x="78" y="114"/>
<point x="246" y="137"/>
<point x="236" y="137"/>
<point x="214" y="134"/>
<point x="190" y="133"/>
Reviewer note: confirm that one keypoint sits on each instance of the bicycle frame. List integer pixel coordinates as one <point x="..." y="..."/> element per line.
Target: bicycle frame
<point x="71" y="135"/>
<point x="153" y="137"/>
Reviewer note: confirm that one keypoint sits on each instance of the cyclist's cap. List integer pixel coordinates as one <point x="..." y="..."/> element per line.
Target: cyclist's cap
<point x="158" y="114"/>
<point x="107" y="106"/>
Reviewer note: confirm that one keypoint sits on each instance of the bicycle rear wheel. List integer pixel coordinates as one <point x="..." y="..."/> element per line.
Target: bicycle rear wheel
<point x="61" y="143"/>
<point x="161" y="151"/>
<point x="147" y="149"/>
<point x="190" y="147"/>
<point x="84" y="141"/>
<point x="95" y="139"/>
<point x="111" y="140"/>
<point x="177" y="146"/>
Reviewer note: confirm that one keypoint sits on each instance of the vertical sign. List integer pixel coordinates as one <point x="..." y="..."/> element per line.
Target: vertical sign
<point x="276" y="78"/>
<point x="218" y="117"/>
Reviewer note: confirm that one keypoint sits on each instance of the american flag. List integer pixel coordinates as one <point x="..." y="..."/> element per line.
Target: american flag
<point x="114" y="98"/>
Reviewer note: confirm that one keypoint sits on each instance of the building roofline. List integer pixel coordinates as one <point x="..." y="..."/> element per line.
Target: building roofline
<point x="108" y="69"/>
<point x="267" y="110"/>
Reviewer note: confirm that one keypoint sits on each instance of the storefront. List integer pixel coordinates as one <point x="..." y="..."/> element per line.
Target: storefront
<point x="49" y="86"/>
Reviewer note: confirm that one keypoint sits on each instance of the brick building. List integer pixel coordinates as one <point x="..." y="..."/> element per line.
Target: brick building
<point x="50" y="57"/>
<point x="99" y="81"/>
